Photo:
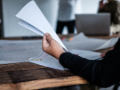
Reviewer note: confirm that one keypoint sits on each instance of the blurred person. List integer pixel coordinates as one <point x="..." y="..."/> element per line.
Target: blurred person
<point x="103" y="73"/>
<point x="112" y="7"/>
<point x="101" y="5"/>
<point x="66" y="16"/>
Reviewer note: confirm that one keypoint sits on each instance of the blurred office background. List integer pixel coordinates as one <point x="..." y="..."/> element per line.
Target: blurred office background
<point x="9" y="8"/>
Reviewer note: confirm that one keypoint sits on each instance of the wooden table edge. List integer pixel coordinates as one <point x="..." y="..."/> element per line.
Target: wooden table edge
<point x="48" y="83"/>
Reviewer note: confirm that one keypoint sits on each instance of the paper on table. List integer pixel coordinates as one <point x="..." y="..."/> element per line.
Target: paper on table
<point x="32" y="15"/>
<point x="13" y="51"/>
<point x="47" y="61"/>
<point x="87" y="54"/>
<point x="54" y="63"/>
<point x="82" y="42"/>
<point x="109" y="43"/>
<point x="20" y="51"/>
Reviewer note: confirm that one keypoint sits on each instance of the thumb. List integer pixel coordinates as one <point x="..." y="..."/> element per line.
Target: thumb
<point x="49" y="38"/>
<point x="45" y="44"/>
<point x="103" y="54"/>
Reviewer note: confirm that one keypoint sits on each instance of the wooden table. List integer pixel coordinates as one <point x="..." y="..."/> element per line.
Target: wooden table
<point x="29" y="76"/>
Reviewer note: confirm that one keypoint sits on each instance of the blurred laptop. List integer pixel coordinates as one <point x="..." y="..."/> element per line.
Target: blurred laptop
<point x="93" y="24"/>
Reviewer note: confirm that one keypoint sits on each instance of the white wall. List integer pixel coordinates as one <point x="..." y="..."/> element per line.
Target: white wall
<point x="89" y="6"/>
<point x="11" y="8"/>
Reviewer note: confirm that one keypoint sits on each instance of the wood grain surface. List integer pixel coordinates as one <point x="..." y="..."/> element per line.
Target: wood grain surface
<point x="29" y="76"/>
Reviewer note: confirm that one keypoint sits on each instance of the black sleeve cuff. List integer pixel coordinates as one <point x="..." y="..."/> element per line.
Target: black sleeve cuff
<point x="63" y="58"/>
<point x="117" y="45"/>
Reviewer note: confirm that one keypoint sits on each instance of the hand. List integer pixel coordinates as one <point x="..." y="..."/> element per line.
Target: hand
<point x="51" y="46"/>
<point x="104" y="53"/>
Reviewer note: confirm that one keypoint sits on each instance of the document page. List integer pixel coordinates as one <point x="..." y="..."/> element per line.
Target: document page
<point x="109" y="43"/>
<point x="82" y="42"/>
<point x="48" y="61"/>
<point x="30" y="27"/>
<point x="32" y="18"/>
<point x="90" y="55"/>
<point x="52" y="62"/>
<point x="13" y="51"/>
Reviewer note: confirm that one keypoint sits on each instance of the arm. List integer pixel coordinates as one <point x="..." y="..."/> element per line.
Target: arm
<point x="99" y="72"/>
<point x="102" y="73"/>
<point x="104" y="53"/>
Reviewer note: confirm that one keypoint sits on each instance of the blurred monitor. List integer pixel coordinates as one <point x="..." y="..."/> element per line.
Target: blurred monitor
<point x="93" y="24"/>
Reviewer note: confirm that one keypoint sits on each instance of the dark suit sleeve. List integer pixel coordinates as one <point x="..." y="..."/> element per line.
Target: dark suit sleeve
<point x="103" y="72"/>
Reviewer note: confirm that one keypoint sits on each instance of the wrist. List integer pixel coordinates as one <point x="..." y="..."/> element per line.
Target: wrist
<point x="59" y="54"/>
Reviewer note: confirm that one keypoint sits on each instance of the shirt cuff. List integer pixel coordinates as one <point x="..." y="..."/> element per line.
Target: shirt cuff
<point x="63" y="58"/>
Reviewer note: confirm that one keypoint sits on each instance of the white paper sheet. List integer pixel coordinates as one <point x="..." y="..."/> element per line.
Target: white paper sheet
<point x="48" y="61"/>
<point x="87" y="54"/>
<point x="109" y="43"/>
<point x="30" y="27"/>
<point x="18" y="50"/>
<point x="52" y="62"/>
<point x="32" y="15"/>
<point x="81" y="42"/>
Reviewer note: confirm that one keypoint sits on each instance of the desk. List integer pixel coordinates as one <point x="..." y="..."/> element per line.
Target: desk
<point x="29" y="76"/>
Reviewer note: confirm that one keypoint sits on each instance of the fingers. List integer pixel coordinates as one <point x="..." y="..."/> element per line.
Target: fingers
<point x="103" y="54"/>
<point x="45" y="44"/>
<point x="49" y="37"/>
